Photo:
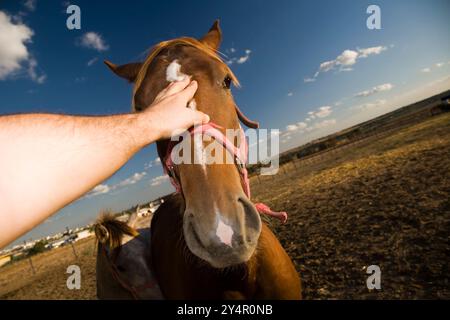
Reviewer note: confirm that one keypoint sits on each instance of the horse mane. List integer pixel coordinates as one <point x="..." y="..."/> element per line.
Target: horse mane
<point x="110" y="231"/>
<point x="187" y="41"/>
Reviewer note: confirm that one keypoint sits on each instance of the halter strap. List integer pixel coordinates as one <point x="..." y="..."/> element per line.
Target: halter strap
<point x="240" y="159"/>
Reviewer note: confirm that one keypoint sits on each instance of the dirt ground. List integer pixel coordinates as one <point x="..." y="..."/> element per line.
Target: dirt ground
<point x="383" y="201"/>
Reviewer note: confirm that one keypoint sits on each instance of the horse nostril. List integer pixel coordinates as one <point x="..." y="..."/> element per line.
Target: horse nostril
<point x="252" y="220"/>
<point x="239" y="240"/>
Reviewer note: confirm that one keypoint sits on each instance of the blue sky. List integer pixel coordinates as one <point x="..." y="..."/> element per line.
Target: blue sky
<point x="274" y="47"/>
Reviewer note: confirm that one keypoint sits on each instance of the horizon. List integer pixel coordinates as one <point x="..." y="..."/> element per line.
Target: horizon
<point x="305" y="73"/>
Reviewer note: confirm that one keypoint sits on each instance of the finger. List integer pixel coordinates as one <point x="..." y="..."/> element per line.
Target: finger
<point x="200" y="117"/>
<point x="178" y="86"/>
<point x="188" y="93"/>
<point x="164" y="92"/>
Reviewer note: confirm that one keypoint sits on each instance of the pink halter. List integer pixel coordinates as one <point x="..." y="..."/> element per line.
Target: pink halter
<point x="240" y="159"/>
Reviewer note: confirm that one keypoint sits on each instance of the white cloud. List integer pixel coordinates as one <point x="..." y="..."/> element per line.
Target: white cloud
<point x="436" y="65"/>
<point x="131" y="180"/>
<point x="104" y="188"/>
<point x="374" y="90"/>
<point x="294" y="130"/>
<point x="309" y="79"/>
<point x="100" y="189"/>
<point x="242" y="59"/>
<point x="92" y="61"/>
<point x="371" y="105"/>
<point x="34" y="75"/>
<point x="323" y="112"/>
<point x="295" y="127"/>
<point x="364" y="53"/>
<point x="14" y="54"/>
<point x="320" y="112"/>
<point x="345" y="60"/>
<point x="158" y="180"/>
<point x="290" y="94"/>
<point x="13" y="50"/>
<point x="30" y="5"/>
<point x="148" y="165"/>
<point x="93" y="40"/>
<point x="325" y="123"/>
<point x="302" y="125"/>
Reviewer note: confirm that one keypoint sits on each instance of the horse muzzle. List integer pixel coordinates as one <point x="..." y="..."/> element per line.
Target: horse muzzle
<point x="225" y="238"/>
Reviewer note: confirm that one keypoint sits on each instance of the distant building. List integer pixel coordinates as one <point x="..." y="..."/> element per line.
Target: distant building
<point x="83" y="234"/>
<point x="145" y="212"/>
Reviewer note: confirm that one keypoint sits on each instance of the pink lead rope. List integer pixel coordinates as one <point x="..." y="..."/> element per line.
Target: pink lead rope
<point x="240" y="158"/>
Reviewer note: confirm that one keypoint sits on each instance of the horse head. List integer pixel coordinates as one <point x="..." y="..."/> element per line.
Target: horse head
<point x="220" y="224"/>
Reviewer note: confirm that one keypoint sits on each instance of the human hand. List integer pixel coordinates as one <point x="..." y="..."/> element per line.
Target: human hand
<point x="169" y="113"/>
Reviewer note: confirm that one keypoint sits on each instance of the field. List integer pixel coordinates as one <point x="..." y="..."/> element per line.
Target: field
<point x="382" y="201"/>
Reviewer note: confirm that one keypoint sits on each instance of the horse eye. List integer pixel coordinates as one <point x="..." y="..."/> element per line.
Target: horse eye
<point x="226" y="82"/>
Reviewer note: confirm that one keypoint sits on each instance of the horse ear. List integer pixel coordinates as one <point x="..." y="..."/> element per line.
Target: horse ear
<point x="128" y="71"/>
<point x="214" y="36"/>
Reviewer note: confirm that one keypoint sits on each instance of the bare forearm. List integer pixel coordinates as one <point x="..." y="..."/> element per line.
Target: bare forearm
<point x="48" y="161"/>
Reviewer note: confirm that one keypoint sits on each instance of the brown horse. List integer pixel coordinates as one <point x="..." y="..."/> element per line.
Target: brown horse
<point x="191" y="259"/>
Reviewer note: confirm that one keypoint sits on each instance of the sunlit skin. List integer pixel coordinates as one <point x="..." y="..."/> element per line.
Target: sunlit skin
<point x="49" y="160"/>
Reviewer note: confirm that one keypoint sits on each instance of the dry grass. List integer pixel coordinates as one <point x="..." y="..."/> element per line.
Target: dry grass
<point x="17" y="280"/>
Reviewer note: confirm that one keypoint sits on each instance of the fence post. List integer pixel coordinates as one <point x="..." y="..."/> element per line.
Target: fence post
<point x="74" y="251"/>
<point x="31" y="265"/>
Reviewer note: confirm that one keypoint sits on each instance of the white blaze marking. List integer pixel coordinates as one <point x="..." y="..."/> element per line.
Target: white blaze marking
<point x="173" y="72"/>
<point x="224" y="232"/>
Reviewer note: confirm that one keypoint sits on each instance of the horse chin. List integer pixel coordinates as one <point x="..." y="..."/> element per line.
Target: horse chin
<point x="219" y="259"/>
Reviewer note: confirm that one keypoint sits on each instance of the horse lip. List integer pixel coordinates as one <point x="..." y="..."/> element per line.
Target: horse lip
<point x="195" y="236"/>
